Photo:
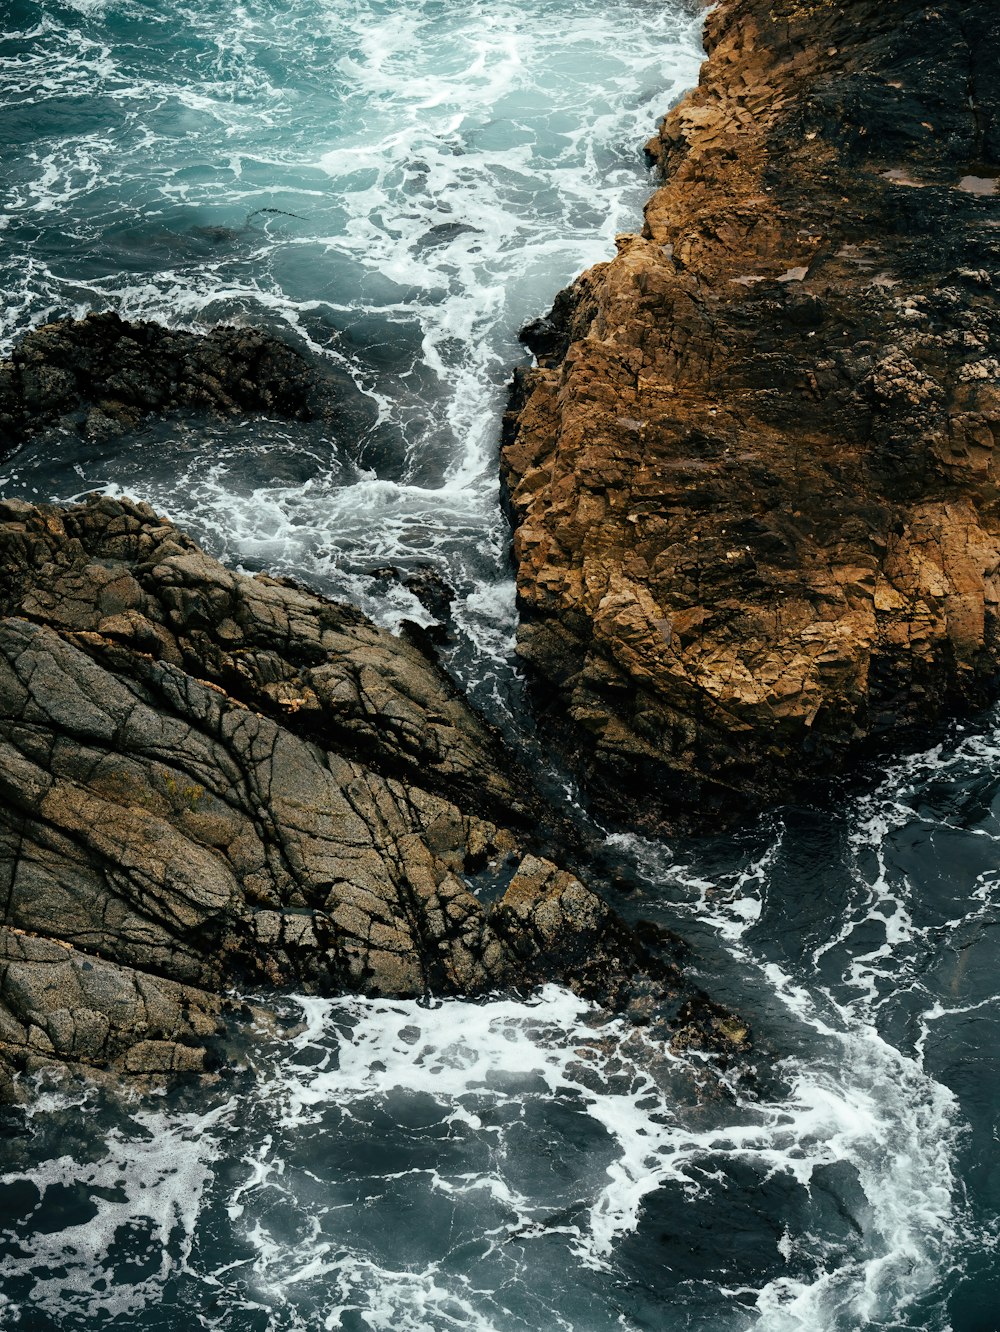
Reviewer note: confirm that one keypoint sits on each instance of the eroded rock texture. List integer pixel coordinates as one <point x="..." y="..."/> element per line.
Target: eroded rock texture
<point x="754" y="475"/>
<point x="210" y="781"/>
<point x="102" y="375"/>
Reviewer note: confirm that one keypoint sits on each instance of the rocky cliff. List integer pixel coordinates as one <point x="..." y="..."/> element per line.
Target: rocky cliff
<point x="212" y="782"/>
<point x="753" y="476"/>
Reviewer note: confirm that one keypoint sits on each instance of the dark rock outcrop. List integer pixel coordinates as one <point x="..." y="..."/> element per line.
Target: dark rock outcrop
<point x="103" y="375"/>
<point x="754" y="475"/>
<point x="211" y="781"/>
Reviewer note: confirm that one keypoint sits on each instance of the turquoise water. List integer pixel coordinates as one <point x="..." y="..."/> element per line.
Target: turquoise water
<point x="399" y="187"/>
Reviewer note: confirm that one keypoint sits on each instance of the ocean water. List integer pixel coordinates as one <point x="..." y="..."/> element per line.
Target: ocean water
<point x="399" y="186"/>
<point x="395" y="185"/>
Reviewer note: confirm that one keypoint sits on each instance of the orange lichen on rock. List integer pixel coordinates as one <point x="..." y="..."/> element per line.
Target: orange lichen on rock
<point x="753" y="473"/>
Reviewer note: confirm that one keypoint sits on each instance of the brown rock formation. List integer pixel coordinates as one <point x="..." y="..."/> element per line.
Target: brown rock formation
<point x="209" y="780"/>
<point x="754" y="475"/>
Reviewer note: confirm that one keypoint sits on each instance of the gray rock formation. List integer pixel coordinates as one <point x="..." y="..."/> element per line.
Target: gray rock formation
<point x="102" y="375"/>
<point x="211" y="781"/>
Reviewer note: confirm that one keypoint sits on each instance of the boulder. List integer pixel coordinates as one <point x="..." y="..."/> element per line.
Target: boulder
<point x="103" y="375"/>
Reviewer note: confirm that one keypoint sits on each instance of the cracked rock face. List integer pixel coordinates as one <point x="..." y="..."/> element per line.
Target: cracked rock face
<point x="211" y="781"/>
<point x="754" y="476"/>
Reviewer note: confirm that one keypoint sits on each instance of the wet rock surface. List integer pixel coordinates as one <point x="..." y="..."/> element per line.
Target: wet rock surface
<point x="102" y="375"/>
<point x="210" y="781"/>
<point x="753" y="476"/>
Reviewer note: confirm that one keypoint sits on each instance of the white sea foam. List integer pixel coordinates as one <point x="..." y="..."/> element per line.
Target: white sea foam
<point x="143" y="1192"/>
<point x="501" y="1053"/>
<point x="855" y="1098"/>
<point x="436" y="175"/>
<point x="483" y="1081"/>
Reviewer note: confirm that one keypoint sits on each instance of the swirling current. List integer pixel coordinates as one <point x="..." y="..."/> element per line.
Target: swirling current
<point x="399" y="185"/>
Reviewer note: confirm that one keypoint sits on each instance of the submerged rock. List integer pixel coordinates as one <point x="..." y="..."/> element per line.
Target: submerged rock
<point x="103" y="375"/>
<point x="753" y="476"/>
<point x="211" y="781"/>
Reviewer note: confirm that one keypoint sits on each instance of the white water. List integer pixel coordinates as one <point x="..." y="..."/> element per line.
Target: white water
<point x="434" y="176"/>
<point x="882" y="951"/>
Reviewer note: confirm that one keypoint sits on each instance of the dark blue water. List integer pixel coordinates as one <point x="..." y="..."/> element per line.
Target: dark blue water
<point x="399" y="186"/>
